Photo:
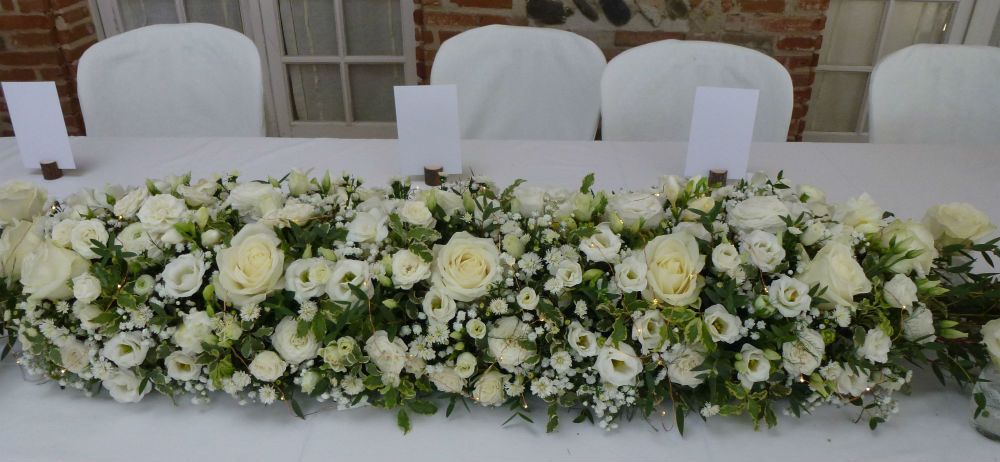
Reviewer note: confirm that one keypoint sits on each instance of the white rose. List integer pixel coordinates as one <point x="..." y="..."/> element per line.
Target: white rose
<point x="84" y="232"/>
<point x="722" y="326"/>
<point x="160" y="212"/>
<point x="171" y="237"/>
<point x="489" y="389"/>
<point x="251" y="267"/>
<point x="918" y="326"/>
<point x="860" y="213"/>
<point x="308" y="278"/>
<point x="368" y="226"/>
<point x="602" y="246"/>
<point x="465" y="365"/>
<point x="803" y="355"/>
<point x="347" y="273"/>
<point x="900" y="292"/>
<point x="16" y="243"/>
<point x="292" y="348"/>
<point x="74" y="356"/>
<point x="635" y="209"/>
<point x="583" y="341"/>
<point x="123" y="386"/>
<point x="835" y="268"/>
<point x="47" y="270"/>
<point x="763" y="249"/>
<point x="527" y="298"/>
<point x="759" y="212"/>
<point x="416" y="213"/>
<point x="134" y="239"/>
<point x="630" y="274"/>
<point x="200" y="193"/>
<point x="389" y="356"/>
<point x="86" y="288"/>
<point x="127" y="349"/>
<point x="790" y="296"/>
<point x="681" y="364"/>
<point x="506" y="336"/>
<point x="447" y="380"/>
<point x="814" y="233"/>
<point x="292" y="212"/>
<point x="911" y="237"/>
<point x="465" y="267"/>
<point x="673" y="268"/>
<point x="255" y="199"/>
<point x="476" y="328"/>
<point x="62" y="232"/>
<point x="876" y="346"/>
<point x="182" y="277"/>
<point x="20" y="200"/>
<point x="647" y="330"/>
<point x="528" y="200"/>
<point x="991" y="338"/>
<point x="267" y="366"/>
<point x="439" y="306"/>
<point x="725" y="258"/>
<point x="618" y="366"/>
<point x="569" y="273"/>
<point x="129" y="204"/>
<point x="182" y="367"/>
<point x="298" y="182"/>
<point x="752" y="366"/>
<point x="196" y="328"/>
<point x="408" y="269"/>
<point x="957" y="223"/>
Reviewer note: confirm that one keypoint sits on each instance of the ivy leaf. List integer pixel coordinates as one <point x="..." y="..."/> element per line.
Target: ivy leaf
<point x="618" y="333"/>
<point x="553" y="418"/>
<point x="403" y="421"/>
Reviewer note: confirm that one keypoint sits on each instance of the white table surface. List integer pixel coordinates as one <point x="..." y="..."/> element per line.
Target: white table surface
<point x="43" y="423"/>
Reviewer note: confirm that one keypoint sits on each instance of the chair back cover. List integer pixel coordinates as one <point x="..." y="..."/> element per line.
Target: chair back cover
<point x="647" y="93"/>
<point x="937" y="94"/>
<point x="523" y="82"/>
<point x="172" y="80"/>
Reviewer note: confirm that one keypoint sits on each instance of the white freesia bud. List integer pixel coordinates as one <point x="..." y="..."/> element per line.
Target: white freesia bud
<point x="128" y="205"/>
<point x="602" y="246"/>
<point x="723" y="326"/>
<point x="298" y="182"/>
<point x="267" y="366"/>
<point x="255" y="200"/>
<point x="20" y="200"/>
<point x="618" y="365"/>
<point x="671" y="186"/>
<point x="513" y="245"/>
<point x="201" y="217"/>
<point x="290" y="346"/>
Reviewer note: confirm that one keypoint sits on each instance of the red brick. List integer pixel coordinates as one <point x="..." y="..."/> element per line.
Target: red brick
<point x="32" y="6"/>
<point x="28" y="58"/>
<point x="433" y="18"/>
<point x="73" y="52"/>
<point x="487" y="19"/>
<point x="631" y="39"/>
<point x="62" y="4"/>
<point x="800" y="43"/>
<point x="812" y="5"/>
<point x="791" y="23"/>
<point x="24" y="22"/>
<point x="7" y="5"/>
<point x="446" y="34"/>
<point x="51" y="72"/>
<point x="84" y="29"/>
<point x="795" y="62"/>
<point x="80" y="13"/>
<point x="762" y="6"/>
<point x="802" y="80"/>
<point x="17" y="74"/>
<point x="418" y="17"/>
<point x="504" y="4"/>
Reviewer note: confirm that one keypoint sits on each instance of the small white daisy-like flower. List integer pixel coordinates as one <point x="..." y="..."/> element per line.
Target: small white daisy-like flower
<point x="308" y="310"/>
<point x="581" y="309"/>
<point x="497" y="306"/>
<point x="561" y="361"/>
<point x="710" y="410"/>
<point x="267" y="394"/>
<point x="250" y="312"/>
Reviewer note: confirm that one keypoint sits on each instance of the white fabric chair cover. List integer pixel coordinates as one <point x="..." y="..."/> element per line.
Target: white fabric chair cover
<point x="523" y="82"/>
<point x="172" y="80"/>
<point x="647" y="93"/>
<point x="937" y="94"/>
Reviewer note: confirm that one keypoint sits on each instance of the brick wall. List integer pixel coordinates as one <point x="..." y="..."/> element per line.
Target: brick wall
<point x="789" y="30"/>
<point x="43" y="40"/>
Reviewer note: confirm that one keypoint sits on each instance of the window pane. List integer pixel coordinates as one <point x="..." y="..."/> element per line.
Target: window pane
<point x="225" y="13"/>
<point x="995" y="39"/>
<point x="373" y="27"/>
<point x="371" y="91"/>
<point x="916" y="22"/>
<point x="139" y="13"/>
<point x="309" y="27"/>
<point x="836" y="99"/>
<point x="852" y="28"/>
<point x="316" y="92"/>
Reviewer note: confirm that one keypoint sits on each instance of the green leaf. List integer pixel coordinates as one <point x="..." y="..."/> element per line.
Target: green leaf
<point x="296" y="408"/>
<point x="403" y="421"/>
<point x="553" y="418"/>
<point x="421" y="406"/>
<point x="588" y="182"/>
<point x="619" y="332"/>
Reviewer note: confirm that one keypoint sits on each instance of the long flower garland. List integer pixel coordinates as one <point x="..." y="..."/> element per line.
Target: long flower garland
<point x="686" y="298"/>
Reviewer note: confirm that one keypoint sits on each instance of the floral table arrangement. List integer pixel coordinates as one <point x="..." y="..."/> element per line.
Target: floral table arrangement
<point x="684" y="299"/>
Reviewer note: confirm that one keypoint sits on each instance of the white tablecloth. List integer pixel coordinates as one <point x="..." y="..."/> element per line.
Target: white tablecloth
<point x="41" y="422"/>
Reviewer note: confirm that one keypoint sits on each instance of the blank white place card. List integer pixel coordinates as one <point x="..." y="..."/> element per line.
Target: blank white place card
<point x="721" y="131"/>
<point x="427" y="128"/>
<point x="39" y="127"/>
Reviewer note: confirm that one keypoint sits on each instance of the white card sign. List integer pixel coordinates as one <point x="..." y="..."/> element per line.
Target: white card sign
<point x="427" y="128"/>
<point x="721" y="131"/>
<point x="39" y="127"/>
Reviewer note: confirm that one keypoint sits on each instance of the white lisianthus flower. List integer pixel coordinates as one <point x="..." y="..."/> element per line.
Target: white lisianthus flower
<point x="814" y="233"/>
<point x="255" y="199"/>
<point x="86" y="313"/>
<point x="465" y="365"/>
<point x="603" y="245"/>
<point x="308" y="278"/>
<point x="910" y="236"/>
<point x="618" y="365"/>
<point x="447" y="380"/>
<point x="681" y="364"/>
<point x="126" y="349"/>
<point x="84" y="232"/>
<point x="918" y="326"/>
<point x="957" y="223"/>
<point x="439" y="306"/>
<point x="369" y="226"/>
<point x="267" y="366"/>
<point x="583" y="341"/>
<point x="416" y="213"/>
<point x="847" y="381"/>
<point x="876" y="346"/>
<point x="62" y="232"/>
<point x="489" y="389"/>
<point x="182" y="277"/>
<point x="835" y="268"/>
<point x="251" y="267"/>
<point x="759" y="213"/>
<point x="860" y="213"/>
<point x="505" y="342"/>
<point x="74" y="356"/>
<point x="723" y="326"/>
<point x="160" y="212"/>
<point x="20" y="200"/>
<point x="476" y="328"/>
<point x="135" y="239"/>
<point x="292" y="348"/>
<point x="900" y="292"/>
<point x="47" y="271"/>
<point x="752" y="366"/>
<point x="763" y="249"/>
<point x="16" y="243"/>
<point x="647" y="330"/>
<point x="182" y="367"/>
<point x="309" y="381"/>
<point x="347" y="273"/>
<point x="408" y="269"/>
<point x="389" y="356"/>
<point x="630" y="274"/>
<point x="129" y="204"/>
<point x="673" y="267"/>
<point x="634" y="209"/>
<point x="803" y="355"/>
<point x="123" y="386"/>
<point x="695" y="229"/>
<point x="292" y="212"/>
<point x="86" y="288"/>
<point x="527" y="298"/>
<point x="569" y="273"/>
<point x="200" y="193"/>
<point x="528" y="200"/>
<point x="196" y="328"/>
<point x="789" y="296"/>
<point x="991" y="338"/>
<point x="465" y="267"/>
<point x="725" y="258"/>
